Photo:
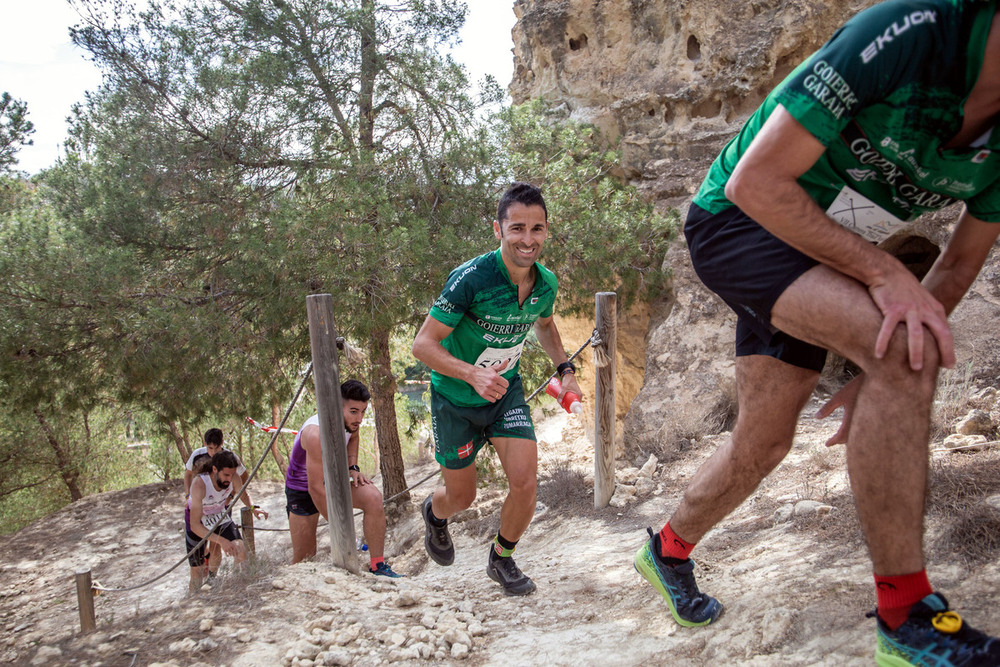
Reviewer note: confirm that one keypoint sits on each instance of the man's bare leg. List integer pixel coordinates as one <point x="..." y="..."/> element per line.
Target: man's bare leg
<point x="368" y="499"/>
<point x="457" y="494"/>
<point x="519" y="459"/>
<point x="770" y="394"/>
<point x="887" y="442"/>
<point x="303" y="532"/>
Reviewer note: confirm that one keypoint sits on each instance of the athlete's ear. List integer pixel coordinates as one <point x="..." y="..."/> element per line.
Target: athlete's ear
<point x="497" y="230"/>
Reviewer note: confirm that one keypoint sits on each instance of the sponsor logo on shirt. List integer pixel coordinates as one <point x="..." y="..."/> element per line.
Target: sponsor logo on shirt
<point x="830" y="89"/>
<point x="897" y="29"/>
<point x="906" y="193"/>
<point x="460" y="276"/>
<point x="503" y="328"/>
<point x="981" y="156"/>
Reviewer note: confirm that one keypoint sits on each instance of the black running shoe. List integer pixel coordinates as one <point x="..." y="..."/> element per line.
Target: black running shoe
<point x="437" y="541"/>
<point x="505" y="572"/>
<point x="933" y="636"/>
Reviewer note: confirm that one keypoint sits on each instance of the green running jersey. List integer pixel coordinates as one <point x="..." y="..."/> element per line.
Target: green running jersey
<point x="480" y="303"/>
<point x="884" y="95"/>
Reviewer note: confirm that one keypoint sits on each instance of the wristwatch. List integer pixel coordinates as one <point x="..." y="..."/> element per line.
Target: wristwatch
<point x="354" y="468"/>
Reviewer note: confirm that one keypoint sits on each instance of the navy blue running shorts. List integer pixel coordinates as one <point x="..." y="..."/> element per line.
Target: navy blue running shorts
<point x="749" y="268"/>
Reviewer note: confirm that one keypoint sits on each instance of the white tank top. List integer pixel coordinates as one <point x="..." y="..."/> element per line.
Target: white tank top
<point x="214" y="505"/>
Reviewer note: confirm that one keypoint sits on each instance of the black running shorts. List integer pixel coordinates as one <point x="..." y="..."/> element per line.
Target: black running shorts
<point x="197" y="558"/>
<point x="749" y="268"/>
<point x="299" y="503"/>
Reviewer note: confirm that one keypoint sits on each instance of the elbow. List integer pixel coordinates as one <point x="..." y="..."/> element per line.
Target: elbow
<point x="418" y="349"/>
<point x="740" y="188"/>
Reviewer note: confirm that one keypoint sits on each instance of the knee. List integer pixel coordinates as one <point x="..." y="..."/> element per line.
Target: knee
<point x="462" y="498"/>
<point x="895" y="367"/>
<point x="524" y="486"/>
<point x="371" y="503"/>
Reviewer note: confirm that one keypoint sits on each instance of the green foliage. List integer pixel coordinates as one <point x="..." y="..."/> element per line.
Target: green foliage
<point x="15" y="128"/>
<point x="602" y="235"/>
<point x="240" y="156"/>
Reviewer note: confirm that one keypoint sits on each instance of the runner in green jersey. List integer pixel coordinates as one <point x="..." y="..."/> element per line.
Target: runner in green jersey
<point x="893" y="117"/>
<point x="472" y="341"/>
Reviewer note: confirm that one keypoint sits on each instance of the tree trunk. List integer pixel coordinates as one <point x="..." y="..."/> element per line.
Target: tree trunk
<point x="180" y="439"/>
<point x="383" y="388"/>
<point x="279" y="458"/>
<point x="67" y="470"/>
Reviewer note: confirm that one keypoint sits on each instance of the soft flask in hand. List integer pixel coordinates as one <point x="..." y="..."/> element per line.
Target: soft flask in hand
<point x="570" y="402"/>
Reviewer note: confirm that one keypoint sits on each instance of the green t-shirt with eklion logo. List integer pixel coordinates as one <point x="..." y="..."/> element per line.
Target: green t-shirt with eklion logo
<point x="479" y="302"/>
<point x="884" y="96"/>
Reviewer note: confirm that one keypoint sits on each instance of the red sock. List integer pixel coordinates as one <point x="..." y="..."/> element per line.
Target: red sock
<point x="376" y="561"/>
<point x="898" y="593"/>
<point x="672" y="546"/>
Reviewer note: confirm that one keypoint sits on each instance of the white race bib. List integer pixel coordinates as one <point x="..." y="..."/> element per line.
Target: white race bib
<point x="495" y="356"/>
<point x="862" y="216"/>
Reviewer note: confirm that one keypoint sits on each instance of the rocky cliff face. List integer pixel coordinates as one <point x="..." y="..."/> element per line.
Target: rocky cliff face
<point x="674" y="80"/>
<point x="671" y="78"/>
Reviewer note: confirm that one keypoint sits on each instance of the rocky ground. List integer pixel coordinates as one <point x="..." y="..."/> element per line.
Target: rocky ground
<point x="789" y="565"/>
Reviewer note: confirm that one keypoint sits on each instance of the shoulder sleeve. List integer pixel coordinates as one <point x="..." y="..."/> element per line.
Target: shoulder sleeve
<point x="986" y="205"/>
<point x="457" y="296"/>
<point x="549" y="279"/>
<point x="876" y="52"/>
<point x="190" y="462"/>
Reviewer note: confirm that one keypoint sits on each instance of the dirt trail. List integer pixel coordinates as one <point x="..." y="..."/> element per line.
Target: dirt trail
<point x="793" y="575"/>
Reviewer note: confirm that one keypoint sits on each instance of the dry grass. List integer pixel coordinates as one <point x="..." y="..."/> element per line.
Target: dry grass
<point x="952" y="401"/>
<point x="687" y="422"/>
<point x="564" y="491"/>
<point x="962" y="523"/>
<point x="240" y="588"/>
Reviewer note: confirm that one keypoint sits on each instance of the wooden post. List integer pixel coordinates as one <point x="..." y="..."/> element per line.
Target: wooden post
<point x="85" y="598"/>
<point x="326" y="372"/>
<point x="604" y="398"/>
<point x="246" y="521"/>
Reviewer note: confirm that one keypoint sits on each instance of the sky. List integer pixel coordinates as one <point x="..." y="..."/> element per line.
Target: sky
<point x="39" y="65"/>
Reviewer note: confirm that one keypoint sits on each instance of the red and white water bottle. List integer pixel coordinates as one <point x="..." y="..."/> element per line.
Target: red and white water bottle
<point x="570" y="401"/>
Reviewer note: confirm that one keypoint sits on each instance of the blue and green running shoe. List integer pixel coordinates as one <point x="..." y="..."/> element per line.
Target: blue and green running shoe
<point x="689" y="606"/>
<point x="933" y="636"/>
<point x="383" y="570"/>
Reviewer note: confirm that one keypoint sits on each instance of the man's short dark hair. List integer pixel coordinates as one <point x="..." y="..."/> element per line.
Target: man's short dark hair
<point x="521" y="193"/>
<point x="213" y="436"/>
<point x="225" y="459"/>
<point x="353" y="390"/>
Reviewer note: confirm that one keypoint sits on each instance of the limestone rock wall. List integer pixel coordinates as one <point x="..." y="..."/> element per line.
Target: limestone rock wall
<point x="672" y="78"/>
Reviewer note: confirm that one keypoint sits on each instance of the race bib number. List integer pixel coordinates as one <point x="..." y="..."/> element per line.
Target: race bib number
<point x="495" y="356"/>
<point x="210" y="521"/>
<point x="862" y="216"/>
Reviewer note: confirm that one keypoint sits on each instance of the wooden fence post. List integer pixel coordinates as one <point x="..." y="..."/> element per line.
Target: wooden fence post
<point x="246" y="521"/>
<point x="326" y="372"/>
<point x="85" y="598"/>
<point x="604" y="398"/>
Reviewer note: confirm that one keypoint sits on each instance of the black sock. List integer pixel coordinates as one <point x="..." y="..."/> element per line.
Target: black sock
<point x="505" y="544"/>
<point x="436" y="521"/>
<point x="666" y="560"/>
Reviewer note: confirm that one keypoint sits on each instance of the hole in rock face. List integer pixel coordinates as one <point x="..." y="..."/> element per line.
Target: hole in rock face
<point x="578" y="43"/>
<point x="694" y="48"/>
<point x="709" y="108"/>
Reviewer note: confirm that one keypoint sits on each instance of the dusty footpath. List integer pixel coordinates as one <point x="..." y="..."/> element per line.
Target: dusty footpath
<point x="789" y="566"/>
